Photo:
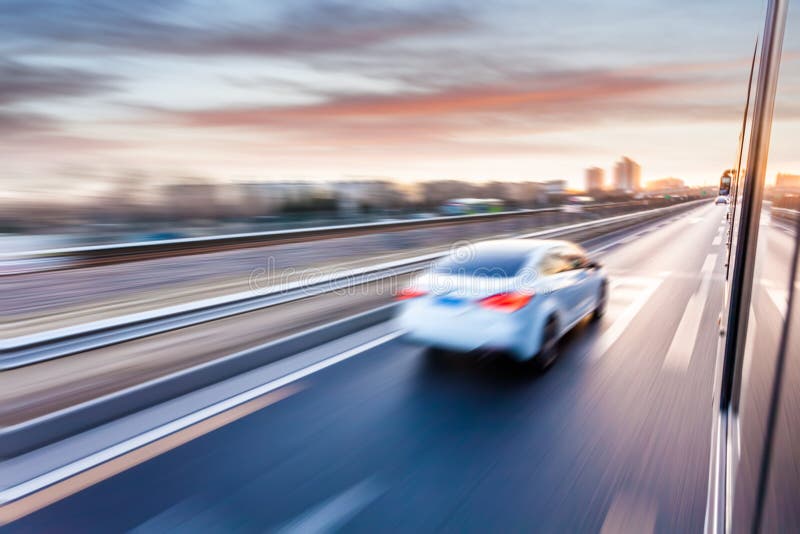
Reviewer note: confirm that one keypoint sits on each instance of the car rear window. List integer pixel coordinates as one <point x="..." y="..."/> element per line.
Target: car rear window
<point x="483" y="263"/>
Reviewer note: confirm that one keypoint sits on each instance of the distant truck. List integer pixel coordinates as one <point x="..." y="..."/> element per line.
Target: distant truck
<point x="725" y="185"/>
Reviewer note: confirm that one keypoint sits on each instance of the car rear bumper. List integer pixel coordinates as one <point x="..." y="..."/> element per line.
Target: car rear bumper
<point x="462" y="331"/>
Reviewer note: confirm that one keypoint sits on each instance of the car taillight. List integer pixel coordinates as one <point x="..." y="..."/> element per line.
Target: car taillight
<point x="409" y="293"/>
<point x="507" y="302"/>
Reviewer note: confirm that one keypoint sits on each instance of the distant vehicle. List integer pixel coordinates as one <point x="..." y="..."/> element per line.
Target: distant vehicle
<point x="515" y="296"/>
<point x="725" y="185"/>
<point x="159" y="236"/>
<point x="721" y="200"/>
<point x="469" y="206"/>
<point x="575" y="204"/>
<point x="422" y="215"/>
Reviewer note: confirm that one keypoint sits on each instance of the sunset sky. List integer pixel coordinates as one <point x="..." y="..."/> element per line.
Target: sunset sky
<point x="310" y="89"/>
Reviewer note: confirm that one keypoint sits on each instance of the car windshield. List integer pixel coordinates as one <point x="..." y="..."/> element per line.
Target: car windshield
<point x="492" y="263"/>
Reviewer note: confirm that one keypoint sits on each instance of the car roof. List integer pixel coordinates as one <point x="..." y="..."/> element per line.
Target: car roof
<point x="523" y="246"/>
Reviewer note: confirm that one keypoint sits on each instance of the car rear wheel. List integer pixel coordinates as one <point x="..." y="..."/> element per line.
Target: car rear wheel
<point x="549" y="351"/>
<point x="602" y="301"/>
<point x="437" y="356"/>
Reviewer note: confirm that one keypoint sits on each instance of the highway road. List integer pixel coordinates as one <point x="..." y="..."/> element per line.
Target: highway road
<point x="41" y="301"/>
<point x="48" y="385"/>
<point x="614" y="436"/>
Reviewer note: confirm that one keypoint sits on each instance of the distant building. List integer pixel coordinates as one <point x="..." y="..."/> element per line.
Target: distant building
<point x="192" y="200"/>
<point x="666" y="184"/>
<point x="595" y="177"/>
<point x="627" y="175"/>
<point x="517" y="194"/>
<point x="555" y="187"/>
<point x="436" y="192"/>
<point x="553" y="191"/>
<point x="787" y="182"/>
<point x="360" y="195"/>
<point x="521" y="194"/>
<point x="268" y="198"/>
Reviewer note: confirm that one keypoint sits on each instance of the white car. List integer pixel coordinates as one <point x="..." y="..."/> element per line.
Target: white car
<point x="517" y="296"/>
<point x="721" y="200"/>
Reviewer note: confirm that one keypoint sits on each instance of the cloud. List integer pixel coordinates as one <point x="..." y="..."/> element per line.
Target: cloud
<point x="512" y="117"/>
<point x="378" y="81"/>
<point x="14" y="122"/>
<point x="42" y="136"/>
<point x="546" y="95"/>
<point x="171" y="27"/>
<point x="471" y="121"/>
<point x="20" y="82"/>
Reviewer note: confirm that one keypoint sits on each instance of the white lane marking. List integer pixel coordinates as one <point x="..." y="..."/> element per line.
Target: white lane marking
<point x="606" y="246"/>
<point x="622" y="240"/>
<point x="717" y="241"/>
<point x="616" y="242"/>
<point x="610" y="336"/>
<point x="632" y="281"/>
<point x="334" y="513"/>
<point x="694" y="220"/>
<point x="749" y="354"/>
<point x="626" y="293"/>
<point x="679" y="274"/>
<point x="780" y="298"/>
<point x="680" y="350"/>
<point x="26" y="488"/>
<point x="179" y="516"/>
<point x="630" y="514"/>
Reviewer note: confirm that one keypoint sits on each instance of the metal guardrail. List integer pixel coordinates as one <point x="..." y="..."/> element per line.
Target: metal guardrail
<point x="46" y="429"/>
<point x="34" y="348"/>
<point x="73" y="257"/>
<point x="51" y="427"/>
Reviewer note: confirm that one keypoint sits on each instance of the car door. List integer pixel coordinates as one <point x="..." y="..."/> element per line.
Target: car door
<point x="584" y="290"/>
<point x="559" y="281"/>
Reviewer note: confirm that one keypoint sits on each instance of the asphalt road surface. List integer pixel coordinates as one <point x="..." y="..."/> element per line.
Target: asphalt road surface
<point x="614" y="437"/>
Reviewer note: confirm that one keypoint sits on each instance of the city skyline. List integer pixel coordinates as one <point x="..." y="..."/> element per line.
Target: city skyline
<point x="411" y="91"/>
<point x="627" y="175"/>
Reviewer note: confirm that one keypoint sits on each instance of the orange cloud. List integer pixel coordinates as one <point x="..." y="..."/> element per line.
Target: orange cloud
<point x="552" y="95"/>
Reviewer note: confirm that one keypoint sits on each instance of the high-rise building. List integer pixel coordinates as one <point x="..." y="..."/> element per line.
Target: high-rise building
<point x="627" y="175"/>
<point x="595" y="176"/>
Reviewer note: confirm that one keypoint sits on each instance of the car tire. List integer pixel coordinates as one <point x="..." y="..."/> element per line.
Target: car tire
<point x="550" y="349"/>
<point x="438" y="357"/>
<point x="602" y="302"/>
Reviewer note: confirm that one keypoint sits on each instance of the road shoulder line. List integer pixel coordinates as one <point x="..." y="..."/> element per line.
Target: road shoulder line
<point x="13" y="494"/>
